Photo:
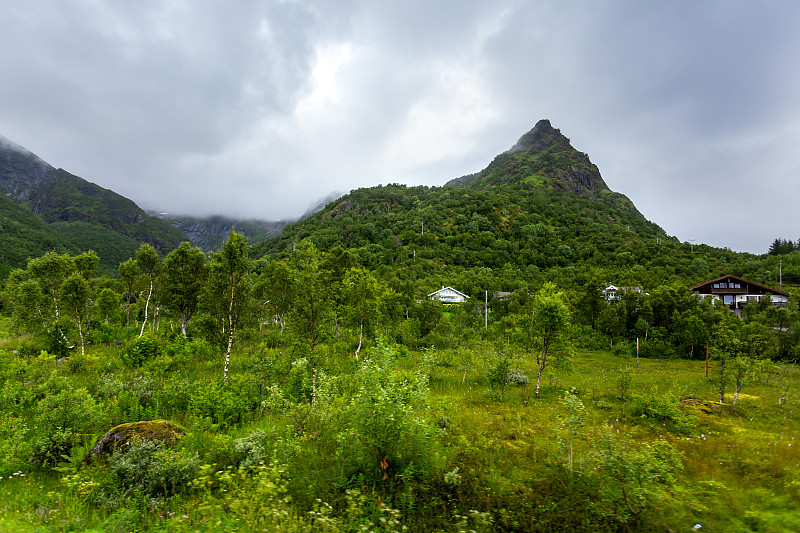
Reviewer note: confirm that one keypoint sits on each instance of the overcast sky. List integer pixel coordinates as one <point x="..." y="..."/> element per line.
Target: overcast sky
<point x="261" y="108"/>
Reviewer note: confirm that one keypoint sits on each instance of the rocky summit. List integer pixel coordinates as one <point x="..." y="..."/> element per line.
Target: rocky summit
<point x="542" y="158"/>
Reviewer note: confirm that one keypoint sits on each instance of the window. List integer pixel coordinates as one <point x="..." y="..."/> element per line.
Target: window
<point x="723" y="285"/>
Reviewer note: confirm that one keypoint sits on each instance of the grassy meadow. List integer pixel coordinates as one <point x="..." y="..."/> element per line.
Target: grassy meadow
<point x="398" y="440"/>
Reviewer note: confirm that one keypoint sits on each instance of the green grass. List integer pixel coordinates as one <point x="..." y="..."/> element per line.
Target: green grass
<point x="489" y="451"/>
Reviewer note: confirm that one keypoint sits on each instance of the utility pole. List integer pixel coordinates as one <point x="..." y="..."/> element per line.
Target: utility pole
<point x="780" y="274"/>
<point x="691" y="244"/>
<point x="486" y="310"/>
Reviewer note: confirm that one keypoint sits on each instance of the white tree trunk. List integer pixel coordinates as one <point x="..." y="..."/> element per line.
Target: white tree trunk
<point x="360" y="336"/>
<point x="146" y="305"/>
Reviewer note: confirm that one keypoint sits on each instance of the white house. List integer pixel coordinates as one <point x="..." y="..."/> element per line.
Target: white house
<point x="612" y="292"/>
<point x="448" y="295"/>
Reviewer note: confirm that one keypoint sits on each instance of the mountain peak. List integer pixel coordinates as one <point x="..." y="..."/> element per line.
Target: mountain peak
<point x="21" y="171"/>
<point x="543" y="157"/>
<point x="542" y="137"/>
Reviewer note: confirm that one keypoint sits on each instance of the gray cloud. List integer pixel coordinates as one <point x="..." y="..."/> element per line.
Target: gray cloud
<point x="260" y="108"/>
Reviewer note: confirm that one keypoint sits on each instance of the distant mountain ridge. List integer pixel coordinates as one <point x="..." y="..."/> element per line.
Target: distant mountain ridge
<point x="208" y="233"/>
<point x="51" y="209"/>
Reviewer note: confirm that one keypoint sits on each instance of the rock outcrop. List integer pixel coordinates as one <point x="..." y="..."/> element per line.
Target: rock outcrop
<point x="122" y="436"/>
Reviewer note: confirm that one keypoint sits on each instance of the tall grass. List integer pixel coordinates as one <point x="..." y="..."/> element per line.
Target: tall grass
<point x="652" y="449"/>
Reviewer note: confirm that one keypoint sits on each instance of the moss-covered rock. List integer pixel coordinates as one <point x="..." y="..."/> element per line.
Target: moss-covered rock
<point x="123" y="435"/>
<point x="712" y="408"/>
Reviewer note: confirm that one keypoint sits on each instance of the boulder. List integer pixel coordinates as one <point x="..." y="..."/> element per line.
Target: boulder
<point x="122" y="436"/>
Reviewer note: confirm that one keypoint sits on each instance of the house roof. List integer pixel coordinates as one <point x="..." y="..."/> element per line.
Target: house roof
<point x="765" y="288"/>
<point x="448" y="288"/>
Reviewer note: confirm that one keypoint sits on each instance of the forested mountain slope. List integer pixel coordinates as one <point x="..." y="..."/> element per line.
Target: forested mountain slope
<point x="539" y="211"/>
<point x="46" y="208"/>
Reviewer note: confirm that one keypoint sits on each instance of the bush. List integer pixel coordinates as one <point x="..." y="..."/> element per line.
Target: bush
<point x="658" y="349"/>
<point x="224" y="405"/>
<point x="665" y="410"/>
<point x="140" y="350"/>
<point x="499" y="375"/>
<point x="252" y="450"/>
<point x="60" y="420"/>
<point x="182" y="349"/>
<point x="152" y="470"/>
<point x="213" y="401"/>
<point x="384" y="432"/>
<point x="623" y="348"/>
<point x="518" y="377"/>
<point x="624" y="383"/>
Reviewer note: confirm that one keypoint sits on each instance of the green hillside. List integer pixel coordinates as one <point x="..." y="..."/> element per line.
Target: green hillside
<point x="24" y="235"/>
<point x="540" y="211"/>
<point x="45" y="209"/>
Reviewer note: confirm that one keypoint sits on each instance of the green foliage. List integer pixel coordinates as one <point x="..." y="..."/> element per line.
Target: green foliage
<point x="498" y="374"/>
<point x="152" y="470"/>
<point x="634" y="480"/>
<point x="781" y="246"/>
<point x="664" y="410"/>
<point x="60" y="420"/>
<point x="184" y="277"/>
<point x="227" y="294"/>
<point x="384" y="437"/>
<point x="624" y="383"/>
<point x="140" y="350"/>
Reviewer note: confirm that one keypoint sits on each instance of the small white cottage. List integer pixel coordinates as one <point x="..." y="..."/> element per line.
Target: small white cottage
<point x="448" y="295"/>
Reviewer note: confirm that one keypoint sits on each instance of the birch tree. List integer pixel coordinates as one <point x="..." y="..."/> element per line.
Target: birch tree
<point x="74" y="293"/>
<point x="361" y="294"/>
<point x="184" y="274"/>
<point x="148" y="261"/>
<point x="276" y="286"/>
<point x="86" y="265"/>
<point x="50" y="271"/>
<point x="127" y="274"/>
<point x="228" y="290"/>
<point x="310" y="315"/>
<point x="547" y="321"/>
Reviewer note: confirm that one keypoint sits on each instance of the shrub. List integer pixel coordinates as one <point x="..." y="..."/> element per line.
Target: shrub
<point x="251" y="450"/>
<point x="624" y="382"/>
<point x="14" y="446"/>
<point x="623" y="348"/>
<point x="632" y="479"/>
<point x="384" y="433"/>
<point x="499" y="375"/>
<point x="223" y="405"/>
<point x="657" y="349"/>
<point x="152" y="470"/>
<point x="518" y="377"/>
<point x="140" y="350"/>
<point x="60" y="420"/>
<point x="665" y="410"/>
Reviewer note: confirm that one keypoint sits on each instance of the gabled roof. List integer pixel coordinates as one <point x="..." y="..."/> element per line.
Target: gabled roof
<point x="448" y="288"/>
<point x="765" y="288"/>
